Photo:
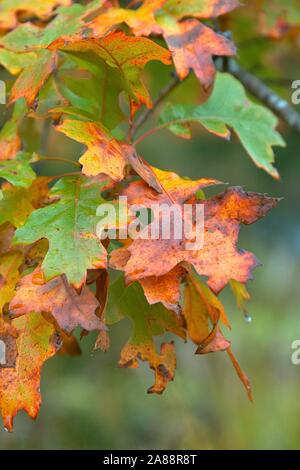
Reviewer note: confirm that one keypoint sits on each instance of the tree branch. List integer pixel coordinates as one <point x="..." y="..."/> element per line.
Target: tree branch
<point x="164" y="92"/>
<point x="261" y="91"/>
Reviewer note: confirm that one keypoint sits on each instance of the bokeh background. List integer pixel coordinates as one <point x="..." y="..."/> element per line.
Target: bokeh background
<point x="88" y="403"/>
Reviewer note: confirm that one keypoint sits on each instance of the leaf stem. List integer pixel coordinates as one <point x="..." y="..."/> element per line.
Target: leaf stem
<point x="60" y="159"/>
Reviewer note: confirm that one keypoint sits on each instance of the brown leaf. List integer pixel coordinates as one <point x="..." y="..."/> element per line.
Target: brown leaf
<point x="164" y="289"/>
<point x="193" y="46"/>
<point x="219" y="259"/>
<point x="57" y="297"/>
<point x="20" y="386"/>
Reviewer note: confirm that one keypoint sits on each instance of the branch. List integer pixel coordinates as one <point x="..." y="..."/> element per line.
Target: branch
<point x="261" y="91"/>
<point x="164" y="92"/>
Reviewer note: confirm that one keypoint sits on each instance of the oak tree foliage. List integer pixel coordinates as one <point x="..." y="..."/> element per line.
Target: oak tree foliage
<point x="80" y="68"/>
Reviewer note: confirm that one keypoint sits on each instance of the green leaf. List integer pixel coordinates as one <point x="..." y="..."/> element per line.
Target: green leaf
<point x="10" y="142"/>
<point x="229" y="107"/>
<point x="68" y="21"/>
<point x="70" y="227"/>
<point x="17" y="203"/>
<point x="18" y="171"/>
<point x="96" y="96"/>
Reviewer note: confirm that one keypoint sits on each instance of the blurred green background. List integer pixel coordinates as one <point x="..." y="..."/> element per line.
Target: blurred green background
<point x="88" y="403"/>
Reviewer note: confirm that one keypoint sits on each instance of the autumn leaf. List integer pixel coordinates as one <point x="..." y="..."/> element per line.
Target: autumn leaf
<point x="70" y="226"/>
<point x="199" y="8"/>
<point x="57" y="297"/>
<point x="17" y="203"/>
<point x="241" y="295"/>
<point x="68" y="20"/>
<point x="10" y="141"/>
<point x="6" y="235"/>
<point x="79" y="90"/>
<point x="10" y="264"/>
<point x="33" y="77"/>
<point x="15" y="62"/>
<point x="104" y="155"/>
<point x="254" y="124"/>
<point x="164" y="289"/>
<point x="10" y="9"/>
<point x="193" y="46"/>
<point x="219" y="259"/>
<point x="141" y="21"/>
<point x="18" y="171"/>
<point x="8" y="336"/>
<point x="148" y="321"/>
<point x="127" y="54"/>
<point x="20" y="386"/>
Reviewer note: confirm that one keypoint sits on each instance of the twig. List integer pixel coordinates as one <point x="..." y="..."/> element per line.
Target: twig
<point x="164" y="92"/>
<point x="259" y="89"/>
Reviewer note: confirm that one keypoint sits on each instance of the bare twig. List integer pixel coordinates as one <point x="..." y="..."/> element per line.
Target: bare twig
<point x="261" y="91"/>
<point x="164" y="92"/>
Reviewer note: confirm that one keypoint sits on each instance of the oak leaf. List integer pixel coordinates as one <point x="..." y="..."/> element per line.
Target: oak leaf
<point x="70" y="226"/>
<point x="10" y="141"/>
<point x="125" y="53"/>
<point x="219" y="259"/>
<point x="17" y="203"/>
<point x="18" y="172"/>
<point x="11" y="9"/>
<point x="69" y="308"/>
<point x="193" y="46"/>
<point x="254" y="124"/>
<point x="33" y="77"/>
<point x="20" y="386"/>
<point x="148" y="322"/>
<point x="9" y="276"/>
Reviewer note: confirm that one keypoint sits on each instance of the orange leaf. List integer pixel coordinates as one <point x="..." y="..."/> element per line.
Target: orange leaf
<point x="11" y="9"/>
<point x="193" y="46"/>
<point x="127" y="54"/>
<point x="33" y="77"/>
<point x="69" y="308"/>
<point x="219" y="259"/>
<point x="20" y="386"/>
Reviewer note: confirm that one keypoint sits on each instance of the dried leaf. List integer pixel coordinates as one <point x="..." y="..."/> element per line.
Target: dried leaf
<point x="57" y="297"/>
